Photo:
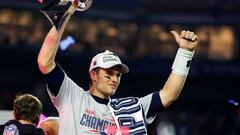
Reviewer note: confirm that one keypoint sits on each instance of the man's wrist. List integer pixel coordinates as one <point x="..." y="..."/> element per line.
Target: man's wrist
<point x="181" y="64"/>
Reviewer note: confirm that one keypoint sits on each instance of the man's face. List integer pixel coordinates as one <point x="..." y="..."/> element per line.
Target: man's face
<point x="107" y="81"/>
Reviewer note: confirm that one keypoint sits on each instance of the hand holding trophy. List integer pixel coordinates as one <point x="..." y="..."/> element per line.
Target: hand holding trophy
<point x="59" y="11"/>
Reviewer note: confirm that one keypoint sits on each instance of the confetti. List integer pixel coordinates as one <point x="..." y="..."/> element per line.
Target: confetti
<point x="40" y="1"/>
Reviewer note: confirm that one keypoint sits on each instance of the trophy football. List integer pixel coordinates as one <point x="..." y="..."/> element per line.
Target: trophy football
<point x="57" y="11"/>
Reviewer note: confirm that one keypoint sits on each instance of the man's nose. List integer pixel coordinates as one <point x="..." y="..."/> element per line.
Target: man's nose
<point x="114" y="78"/>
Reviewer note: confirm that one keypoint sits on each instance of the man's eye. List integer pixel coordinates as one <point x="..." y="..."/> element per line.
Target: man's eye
<point x="107" y="76"/>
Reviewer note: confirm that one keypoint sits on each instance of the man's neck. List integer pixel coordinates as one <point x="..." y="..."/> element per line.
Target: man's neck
<point x="27" y="122"/>
<point x="98" y="94"/>
<point x="100" y="100"/>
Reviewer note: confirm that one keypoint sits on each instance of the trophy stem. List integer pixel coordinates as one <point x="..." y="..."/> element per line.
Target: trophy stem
<point x="72" y="8"/>
<point x="66" y="16"/>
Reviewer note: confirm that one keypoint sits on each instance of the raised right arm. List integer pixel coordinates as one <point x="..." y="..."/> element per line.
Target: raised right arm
<point x="46" y="56"/>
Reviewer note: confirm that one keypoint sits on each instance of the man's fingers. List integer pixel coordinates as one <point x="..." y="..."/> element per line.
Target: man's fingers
<point x="188" y="35"/>
<point x="176" y="35"/>
<point x="183" y="34"/>
<point x="191" y="35"/>
<point x="195" y="38"/>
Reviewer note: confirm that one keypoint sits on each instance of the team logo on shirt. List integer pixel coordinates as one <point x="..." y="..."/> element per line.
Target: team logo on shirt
<point x="11" y="130"/>
<point x="128" y="114"/>
<point x="91" y="120"/>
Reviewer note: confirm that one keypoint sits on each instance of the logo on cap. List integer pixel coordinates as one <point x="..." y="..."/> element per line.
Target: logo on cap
<point x="110" y="58"/>
<point x="94" y="63"/>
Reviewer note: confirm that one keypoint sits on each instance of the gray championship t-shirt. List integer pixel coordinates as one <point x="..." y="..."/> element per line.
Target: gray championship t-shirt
<point x="81" y="114"/>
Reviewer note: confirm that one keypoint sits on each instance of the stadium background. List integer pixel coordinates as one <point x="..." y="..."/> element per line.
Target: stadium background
<point x="138" y="31"/>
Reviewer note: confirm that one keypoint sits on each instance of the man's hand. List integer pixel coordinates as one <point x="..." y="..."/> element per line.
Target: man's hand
<point x="186" y="40"/>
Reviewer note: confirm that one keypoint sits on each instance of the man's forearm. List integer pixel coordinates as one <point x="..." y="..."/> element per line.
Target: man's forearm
<point x="47" y="54"/>
<point x="48" y="51"/>
<point x="172" y="89"/>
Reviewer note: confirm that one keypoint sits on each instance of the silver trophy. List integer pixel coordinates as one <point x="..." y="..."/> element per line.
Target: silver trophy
<point x="57" y="11"/>
<point x="82" y="5"/>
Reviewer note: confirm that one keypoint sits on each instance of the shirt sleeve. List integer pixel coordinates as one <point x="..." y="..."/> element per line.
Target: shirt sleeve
<point x="62" y="89"/>
<point x="156" y="105"/>
<point x="54" y="79"/>
<point x="151" y="106"/>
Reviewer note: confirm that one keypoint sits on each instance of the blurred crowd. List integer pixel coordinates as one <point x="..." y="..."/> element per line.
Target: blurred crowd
<point x="199" y="120"/>
<point x="28" y="29"/>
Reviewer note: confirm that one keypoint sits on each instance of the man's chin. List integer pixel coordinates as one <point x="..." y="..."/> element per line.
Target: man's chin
<point x="112" y="92"/>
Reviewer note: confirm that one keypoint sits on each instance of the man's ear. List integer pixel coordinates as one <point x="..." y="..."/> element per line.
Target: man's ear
<point x="93" y="75"/>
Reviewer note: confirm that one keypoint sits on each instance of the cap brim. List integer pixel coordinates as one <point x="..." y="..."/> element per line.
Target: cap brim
<point x="124" y="68"/>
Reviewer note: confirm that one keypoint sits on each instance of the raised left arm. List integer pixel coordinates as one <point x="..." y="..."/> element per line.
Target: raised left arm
<point x="187" y="42"/>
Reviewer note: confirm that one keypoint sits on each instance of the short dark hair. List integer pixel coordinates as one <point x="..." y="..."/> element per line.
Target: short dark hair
<point x="27" y="107"/>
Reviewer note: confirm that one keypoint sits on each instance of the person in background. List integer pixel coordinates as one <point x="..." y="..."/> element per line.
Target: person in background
<point x="50" y="125"/>
<point x="26" y="111"/>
